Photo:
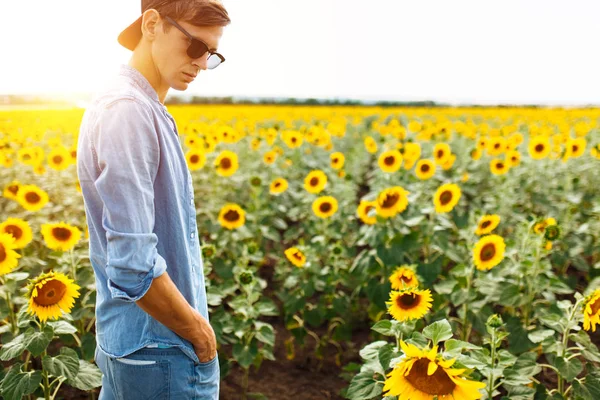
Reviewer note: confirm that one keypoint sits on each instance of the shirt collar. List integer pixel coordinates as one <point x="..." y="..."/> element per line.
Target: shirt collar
<point x="140" y="80"/>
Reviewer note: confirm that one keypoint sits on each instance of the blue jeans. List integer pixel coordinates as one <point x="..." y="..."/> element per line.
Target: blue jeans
<point x="154" y="373"/>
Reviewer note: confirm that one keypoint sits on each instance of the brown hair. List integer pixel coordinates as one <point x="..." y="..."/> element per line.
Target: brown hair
<point x="196" y="12"/>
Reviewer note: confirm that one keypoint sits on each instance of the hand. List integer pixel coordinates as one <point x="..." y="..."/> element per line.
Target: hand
<point x="205" y="345"/>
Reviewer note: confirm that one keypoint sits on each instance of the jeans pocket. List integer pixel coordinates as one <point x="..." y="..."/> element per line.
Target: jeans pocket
<point x="208" y="375"/>
<point x="141" y="379"/>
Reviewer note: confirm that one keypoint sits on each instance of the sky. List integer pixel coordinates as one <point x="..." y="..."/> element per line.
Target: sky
<point x="460" y="51"/>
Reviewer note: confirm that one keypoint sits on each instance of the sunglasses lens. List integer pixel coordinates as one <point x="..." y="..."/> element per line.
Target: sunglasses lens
<point x="213" y="61"/>
<point x="196" y="49"/>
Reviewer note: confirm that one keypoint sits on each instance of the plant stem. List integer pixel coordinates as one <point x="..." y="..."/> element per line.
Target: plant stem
<point x="491" y="380"/>
<point x="466" y="305"/>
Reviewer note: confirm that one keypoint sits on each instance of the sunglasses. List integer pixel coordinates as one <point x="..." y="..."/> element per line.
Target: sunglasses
<point x="198" y="48"/>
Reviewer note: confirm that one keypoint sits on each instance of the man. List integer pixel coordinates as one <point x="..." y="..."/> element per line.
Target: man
<point x="153" y="334"/>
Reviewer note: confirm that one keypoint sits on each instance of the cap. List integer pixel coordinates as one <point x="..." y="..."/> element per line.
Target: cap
<point x="131" y="36"/>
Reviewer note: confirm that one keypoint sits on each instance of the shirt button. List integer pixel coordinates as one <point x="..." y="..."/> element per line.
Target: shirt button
<point x="192" y="235"/>
<point x="192" y="201"/>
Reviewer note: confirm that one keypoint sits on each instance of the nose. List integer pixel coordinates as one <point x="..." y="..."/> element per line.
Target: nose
<point x="201" y="62"/>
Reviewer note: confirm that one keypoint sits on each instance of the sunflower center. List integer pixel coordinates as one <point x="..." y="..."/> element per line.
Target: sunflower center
<point x="194" y="159"/>
<point x="497" y="146"/>
<point x="2" y="253"/>
<point x="440" y="153"/>
<point x="74" y="153"/>
<point x="325" y="207"/>
<point x="425" y="167"/>
<point x="61" y="234"/>
<point x="539" y="148"/>
<point x="446" y="197"/>
<point x="408" y="301"/>
<point x="226" y="163"/>
<point x="485" y="224"/>
<point x="51" y="293"/>
<point x="437" y="384"/>
<point x="487" y="252"/>
<point x="297" y="256"/>
<point x="335" y="160"/>
<point x="277" y="184"/>
<point x="390" y="200"/>
<point x="231" y="216"/>
<point x="406" y="279"/>
<point x="57" y="159"/>
<point x="13" y="189"/>
<point x="294" y="140"/>
<point x="499" y="165"/>
<point x="389" y="160"/>
<point x="14" y="230"/>
<point x="314" y="181"/>
<point x="575" y="148"/>
<point x="32" y="197"/>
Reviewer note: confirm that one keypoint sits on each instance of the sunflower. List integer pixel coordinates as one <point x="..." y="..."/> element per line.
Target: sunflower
<point x="539" y="147"/>
<point x="278" y="186"/>
<point x="337" y="160"/>
<point x="370" y="145"/>
<point x="10" y="191"/>
<point x="19" y="229"/>
<point x="409" y="303"/>
<point x="595" y="151"/>
<point x="255" y="144"/>
<point x="591" y="311"/>
<point x="60" y="236"/>
<point x="540" y="227"/>
<point x="404" y="276"/>
<point x="426" y="375"/>
<point x="193" y="141"/>
<point x="325" y="206"/>
<point x="391" y="201"/>
<point x="59" y="158"/>
<point x="390" y="161"/>
<point x="315" y="181"/>
<point x="476" y="154"/>
<point x="32" y="198"/>
<point x="50" y="293"/>
<point x="295" y="256"/>
<point x="576" y="147"/>
<point x="449" y="162"/>
<point x="425" y="169"/>
<point x="232" y="216"/>
<point x="446" y="197"/>
<point x="8" y="256"/>
<point x="488" y="252"/>
<point x="292" y="139"/>
<point x="464" y="177"/>
<point x="195" y="159"/>
<point x="498" y="166"/>
<point x="513" y="158"/>
<point x="441" y="153"/>
<point x="363" y="210"/>
<point x="496" y="146"/>
<point x="270" y="157"/>
<point x="226" y="163"/>
<point x="487" y="224"/>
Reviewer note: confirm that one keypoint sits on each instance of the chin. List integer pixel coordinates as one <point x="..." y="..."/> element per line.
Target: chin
<point x="180" y="85"/>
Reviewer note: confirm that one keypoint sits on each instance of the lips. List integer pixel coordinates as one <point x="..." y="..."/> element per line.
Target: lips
<point x="190" y="75"/>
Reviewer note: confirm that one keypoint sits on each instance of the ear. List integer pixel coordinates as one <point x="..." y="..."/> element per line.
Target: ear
<point x="151" y="22"/>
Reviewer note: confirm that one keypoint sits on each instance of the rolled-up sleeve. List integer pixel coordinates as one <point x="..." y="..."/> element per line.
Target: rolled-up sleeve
<point x="128" y="154"/>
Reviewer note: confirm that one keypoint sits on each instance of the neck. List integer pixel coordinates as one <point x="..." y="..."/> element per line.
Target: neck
<point x="141" y="60"/>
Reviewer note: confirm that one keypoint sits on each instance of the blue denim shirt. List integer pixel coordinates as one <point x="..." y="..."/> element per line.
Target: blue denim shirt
<point x="139" y="205"/>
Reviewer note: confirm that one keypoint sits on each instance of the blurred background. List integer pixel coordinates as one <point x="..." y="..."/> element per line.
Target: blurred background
<point x="455" y="52"/>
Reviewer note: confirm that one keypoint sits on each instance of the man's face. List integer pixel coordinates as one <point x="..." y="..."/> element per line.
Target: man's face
<point x="170" y="52"/>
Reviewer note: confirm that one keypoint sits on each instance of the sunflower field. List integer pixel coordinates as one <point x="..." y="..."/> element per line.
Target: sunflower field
<point x="464" y="241"/>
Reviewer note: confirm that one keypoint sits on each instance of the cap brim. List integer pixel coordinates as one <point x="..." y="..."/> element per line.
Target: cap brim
<point x="131" y="36"/>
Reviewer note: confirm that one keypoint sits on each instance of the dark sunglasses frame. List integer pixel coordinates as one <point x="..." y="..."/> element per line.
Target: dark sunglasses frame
<point x="197" y="48"/>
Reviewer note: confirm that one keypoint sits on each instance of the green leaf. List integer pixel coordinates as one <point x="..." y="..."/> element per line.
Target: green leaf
<point x="384" y="327"/>
<point x="17" y="384"/>
<point x="245" y="355"/>
<point x="539" y="336"/>
<point x="88" y="378"/>
<point x="510" y="296"/>
<point x="454" y="347"/>
<point x="385" y="354"/>
<point x="569" y="369"/>
<point x="13" y="349"/>
<point x="66" y="364"/>
<point x="438" y="331"/>
<point x="267" y="307"/>
<point x="37" y="342"/>
<point x="265" y="333"/>
<point x="363" y="386"/>
<point x="62" y="327"/>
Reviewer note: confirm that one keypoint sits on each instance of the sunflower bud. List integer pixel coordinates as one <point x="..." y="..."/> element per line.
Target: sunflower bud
<point x="246" y="277"/>
<point x="552" y="232"/>
<point x="208" y="250"/>
<point x="255" y="181"/>
<point x="252" y="247"/>
<point x="494" y="321"/>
